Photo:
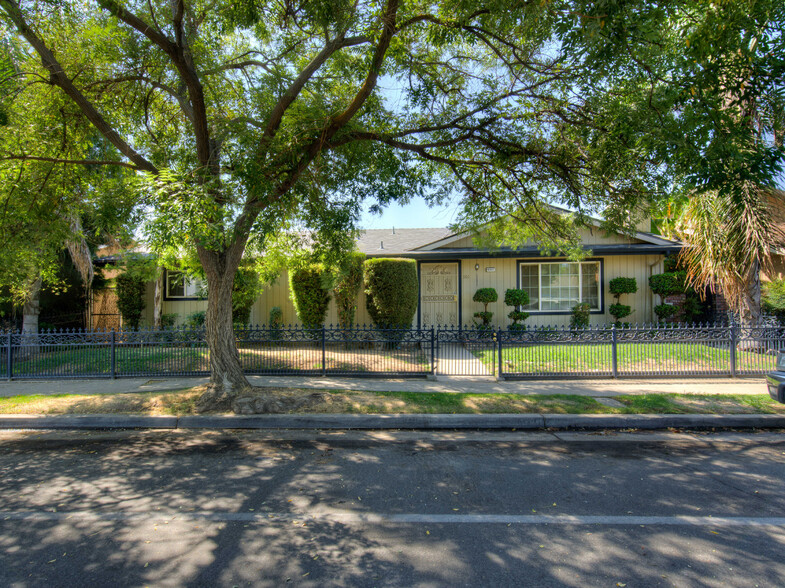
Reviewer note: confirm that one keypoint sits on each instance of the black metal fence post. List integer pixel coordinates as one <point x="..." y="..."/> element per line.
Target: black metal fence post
<point x="614" y="352"/>
<point x="438" y="353"/>
<point x="433" y="351"/>
<point x="733" y="344"/>
<point x="324" y="352"/>
<point x="500" y="354"/>
<point x="113" y="358"/>
<point x="9" y="358"/>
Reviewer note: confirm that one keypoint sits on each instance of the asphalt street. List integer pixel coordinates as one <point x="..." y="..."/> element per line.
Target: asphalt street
<point x="390" y="508"/>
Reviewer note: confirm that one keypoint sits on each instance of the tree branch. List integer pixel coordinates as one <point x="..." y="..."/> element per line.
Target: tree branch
<point x="184" y="66"/>
<point x="294" y="89"/>
<point x="57" y="77"/>
<point x="182" y="100"/>
<point x="70" y="161"/>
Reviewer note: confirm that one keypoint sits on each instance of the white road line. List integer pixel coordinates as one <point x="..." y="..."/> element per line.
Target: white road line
<point x="349" y="517"/>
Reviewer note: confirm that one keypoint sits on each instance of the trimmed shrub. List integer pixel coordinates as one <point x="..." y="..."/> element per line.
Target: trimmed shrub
<point x="348" y="282"/>
<point x="309" y="295"/>
<point x="130" y="299"/>
<point x="196" y="320"/>
<point x="668" y="284"/>
<point x="516" y="297"/>
<point x="617" y="287"/>
<point x="580" y="316"/>
<point x="665" y="311"/>
<point x="276" y="322"/>
<point x="276" y="317"/>
<point x="168" y="320"/>
<point x="392" y="291"/>
<point x="485" y="296"/>
<point x="619" y="311"/>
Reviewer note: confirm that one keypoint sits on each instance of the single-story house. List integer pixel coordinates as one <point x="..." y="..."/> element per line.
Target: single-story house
<point x="451" y="268"/>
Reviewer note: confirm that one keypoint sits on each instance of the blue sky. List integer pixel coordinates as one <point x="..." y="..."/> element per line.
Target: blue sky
<point x="415" y="215"/>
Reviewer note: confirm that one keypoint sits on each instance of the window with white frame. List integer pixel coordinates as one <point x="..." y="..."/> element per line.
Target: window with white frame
<point x="179" y="285"/>
<point x="558" y="286"/>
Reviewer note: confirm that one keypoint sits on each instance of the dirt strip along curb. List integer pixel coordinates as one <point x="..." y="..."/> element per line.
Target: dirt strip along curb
<point x="397" y="421"/>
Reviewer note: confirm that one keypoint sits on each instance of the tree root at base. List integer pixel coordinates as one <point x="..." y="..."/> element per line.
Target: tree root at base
<point x="256" y="400"/>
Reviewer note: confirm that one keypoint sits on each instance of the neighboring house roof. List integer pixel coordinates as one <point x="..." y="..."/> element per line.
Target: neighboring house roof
<point x="379" y="242"/>
<point x="435" y="244"/>
<point x="106" y="254"/>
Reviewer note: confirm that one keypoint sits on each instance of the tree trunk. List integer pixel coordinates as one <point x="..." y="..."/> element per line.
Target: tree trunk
<point x="30" y="313"/>
<point x="227" y="379"/>
<point x="751" y="313"/>
<point x="158" y="298"/>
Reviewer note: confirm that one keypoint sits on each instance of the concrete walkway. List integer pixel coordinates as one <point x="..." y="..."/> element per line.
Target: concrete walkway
<point x="456" y="359"/>
<point x="595" y="388"/>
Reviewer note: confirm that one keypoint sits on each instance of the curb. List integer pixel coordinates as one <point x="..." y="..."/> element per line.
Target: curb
<point x="398" y="421"/>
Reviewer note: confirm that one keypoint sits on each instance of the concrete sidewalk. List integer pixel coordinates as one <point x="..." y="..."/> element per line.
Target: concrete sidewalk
<point x="596" y="388"/>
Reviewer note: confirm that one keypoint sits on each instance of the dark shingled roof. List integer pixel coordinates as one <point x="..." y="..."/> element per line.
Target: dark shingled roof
<point x="378" y="242"/>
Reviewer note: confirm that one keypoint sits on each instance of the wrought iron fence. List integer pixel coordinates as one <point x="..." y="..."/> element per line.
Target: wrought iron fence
<point x="361" y="351"/>
<point x="534" y="352"/>
<point x="640" y="350"/>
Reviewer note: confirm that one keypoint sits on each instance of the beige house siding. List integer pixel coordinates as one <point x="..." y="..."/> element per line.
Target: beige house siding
<point x="504" y="276"/>
<point x="277" y="294"/>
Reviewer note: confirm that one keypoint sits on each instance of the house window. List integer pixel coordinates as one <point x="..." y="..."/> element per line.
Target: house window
<point x="558" y="286"/>
<point x="178" y="285"/>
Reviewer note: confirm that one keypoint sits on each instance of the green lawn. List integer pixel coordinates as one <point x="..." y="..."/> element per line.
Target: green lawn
<point x="186" y="359"/>
<point x="650" y="358"/>
<point x="183" y="402"/>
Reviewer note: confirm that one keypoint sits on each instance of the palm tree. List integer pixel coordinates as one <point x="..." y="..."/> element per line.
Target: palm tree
<point x="729" y="238"/>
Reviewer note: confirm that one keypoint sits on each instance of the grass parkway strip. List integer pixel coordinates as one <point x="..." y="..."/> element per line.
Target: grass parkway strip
<point x="183" y="403"/>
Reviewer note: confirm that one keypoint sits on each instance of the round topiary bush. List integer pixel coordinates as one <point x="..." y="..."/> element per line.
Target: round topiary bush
<point x="516" y="297"/>
<point x="485" y="296"/>
<point x="665" y="311"/>
<point x="668" y="284"/>
<point x="617" y="287"/>
<point x="619" y="311"/>
<point x="309" y="295"/>
<point x="392" y="291"/>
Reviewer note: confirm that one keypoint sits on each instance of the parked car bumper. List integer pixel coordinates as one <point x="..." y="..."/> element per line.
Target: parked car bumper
<point x="776" y="383"/>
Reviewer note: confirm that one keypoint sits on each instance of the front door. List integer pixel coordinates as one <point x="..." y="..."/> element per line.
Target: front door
<point x="439" y="294"/>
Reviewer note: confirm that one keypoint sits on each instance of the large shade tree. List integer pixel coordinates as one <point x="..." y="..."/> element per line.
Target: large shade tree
<point x="239" y="118"/>
<point x="46" y="206"/>
<point x="704" y="83"/>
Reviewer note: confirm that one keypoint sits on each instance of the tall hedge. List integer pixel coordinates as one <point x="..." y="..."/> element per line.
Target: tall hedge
<point x="130" y="299"/>
<point x="309" y="295"/>
<point x="348" y="282"/>
<point x="392" y="291"/>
